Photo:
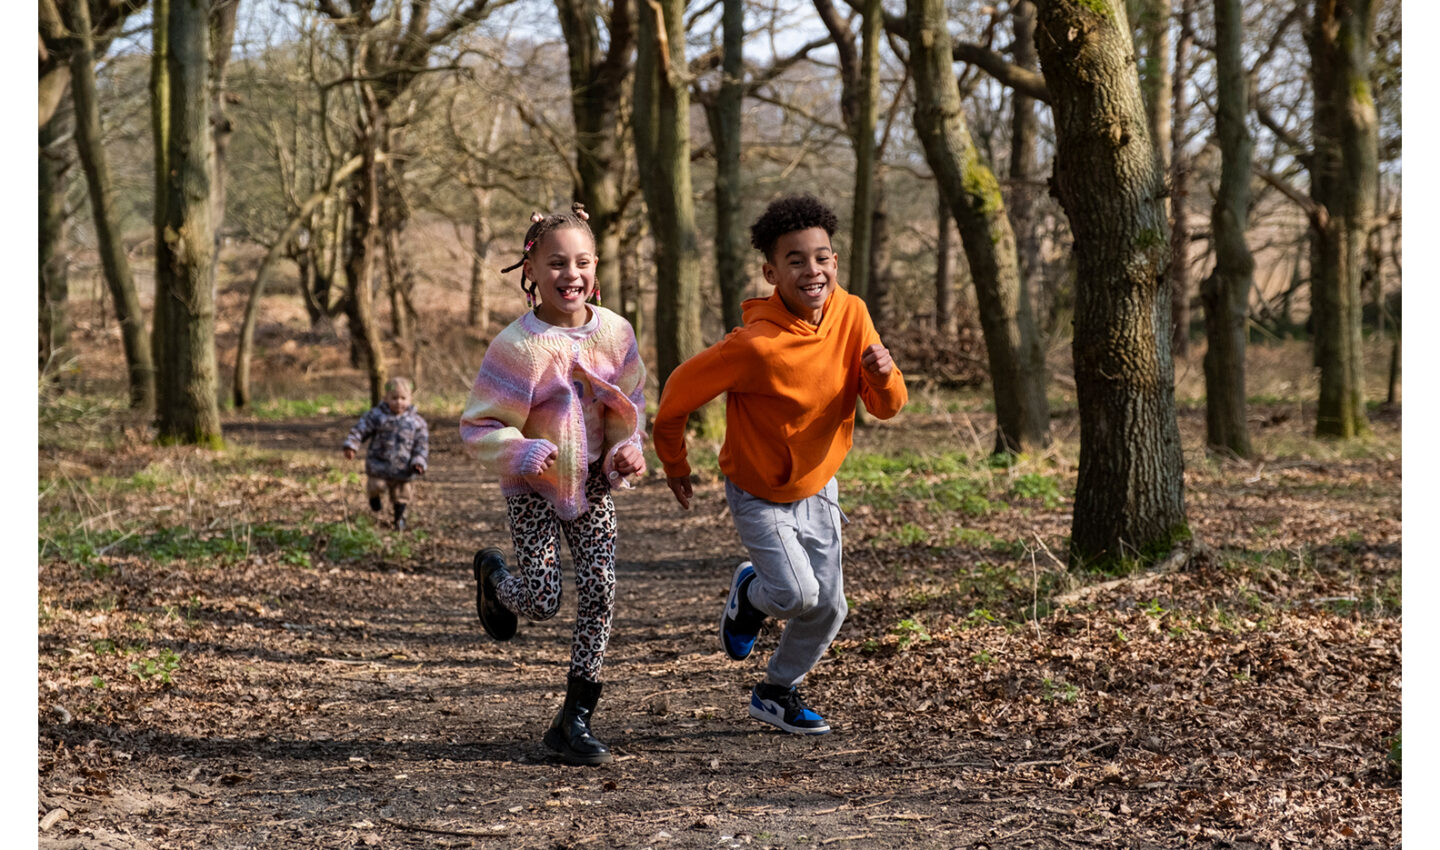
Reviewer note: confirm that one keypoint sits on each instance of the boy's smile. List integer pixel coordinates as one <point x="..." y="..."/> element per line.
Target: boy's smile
<point x="803" y="271"/>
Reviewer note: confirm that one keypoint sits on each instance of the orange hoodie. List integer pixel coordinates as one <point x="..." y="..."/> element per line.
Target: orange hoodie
<point x="790" y="405"/>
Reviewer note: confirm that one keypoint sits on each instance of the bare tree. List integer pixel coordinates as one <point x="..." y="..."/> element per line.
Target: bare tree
<point x="662" y="146"/>
<point x="1225" y="293"/>
<point x="1129" y="497"/>
<point x="89" y="143"/>
<point x="187" y="409"/>
<point x="53" y="227"/>
<point x="1017" y="365"/>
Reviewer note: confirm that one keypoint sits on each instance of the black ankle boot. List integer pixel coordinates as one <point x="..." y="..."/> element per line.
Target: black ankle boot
<point x="374" y="503"/>
<point x="499" y="621"/>
<point x="570" y="734"/>
<point x="400" y="515"/>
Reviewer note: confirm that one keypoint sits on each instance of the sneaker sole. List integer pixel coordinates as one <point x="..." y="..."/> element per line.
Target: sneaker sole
<point x="725" y="613"/>
<point x="778" y="720"/>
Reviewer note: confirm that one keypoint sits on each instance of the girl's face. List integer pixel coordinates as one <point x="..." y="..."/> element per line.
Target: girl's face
<point x="563" y="268"/>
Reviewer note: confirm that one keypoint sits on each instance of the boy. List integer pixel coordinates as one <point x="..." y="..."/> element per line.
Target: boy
<point x="791" y="377"/>
<point x="399" y="447"/>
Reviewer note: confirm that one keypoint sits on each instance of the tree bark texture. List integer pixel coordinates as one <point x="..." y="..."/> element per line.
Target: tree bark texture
<point x="114" y="262"/>
<point x="222" y="36"/>
<point x="1225" y="293"/>
<point x="1129" y="499"/>
<point x="54" y="260"/>
<point x="477" y="314"/>
<point x="1024" y="151"/>
<point x="1017" y="365"/>
<point x="597" y="81"/>
<point x="1178" y="273"/>
<point x="1344" y="170"/>
<point x="187" y="409"/>
<point x="662" y="147"/>
<point x="944" y="268"/>
<point x="724" y="117"/>
<point x="361" y="246"/>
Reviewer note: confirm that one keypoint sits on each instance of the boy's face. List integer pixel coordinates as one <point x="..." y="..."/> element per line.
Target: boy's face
<point x="802" y="269"/>
<point x="398" y="400"/>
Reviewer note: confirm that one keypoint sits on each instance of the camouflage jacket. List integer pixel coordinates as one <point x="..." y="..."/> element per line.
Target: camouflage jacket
<point x="397" y="442"/>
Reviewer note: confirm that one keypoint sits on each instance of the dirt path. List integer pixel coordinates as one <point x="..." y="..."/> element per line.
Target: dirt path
<point x="361" y="705"/>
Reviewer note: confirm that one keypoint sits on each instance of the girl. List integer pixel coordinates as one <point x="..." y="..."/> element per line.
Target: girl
<point x="557" y="411"/>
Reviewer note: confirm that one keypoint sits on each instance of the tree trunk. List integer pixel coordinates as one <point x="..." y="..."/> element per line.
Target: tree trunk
<point x="361" y="238"/>
<point x="89" y="143"/>
<point x="724" y="119"/>
<point x="222" y="35"/>
<point x="862" y="131"/>
<point x="54" y="260"/>
<point x="882" y="306"/>
<point x="1129" y="497"/>
<point x="1017" y="366"/>
<point x="478" y="313"/>
<point x="944" y="286"/>
<point x="1178" y="271"/>
<point x="596" y="96"/>
<point x="1226" y="291"/>
<point x="186" y="405"/>
<point x="267" y="267"/>
<point x="1024" y="155"/>
<point x="662" y="147"/>
<point x="1343" y="174"/>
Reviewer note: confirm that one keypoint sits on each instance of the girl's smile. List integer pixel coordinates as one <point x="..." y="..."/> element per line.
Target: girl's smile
<point x="563" y="268"/>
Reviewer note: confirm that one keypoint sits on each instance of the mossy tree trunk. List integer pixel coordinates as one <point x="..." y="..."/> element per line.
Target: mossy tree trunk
<point x="1226" y="291"/>
<point x="187" y="407"/>
<point x="722" y="113"/>
<point x="54" y="260"/>
<point x="1129" y="497"/>
<point x="662" y="148"/>
<point x="1017" y="365"/>
<point x="1344" y="170"/>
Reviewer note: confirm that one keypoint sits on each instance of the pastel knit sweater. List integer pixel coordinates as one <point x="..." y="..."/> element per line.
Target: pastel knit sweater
<point x="523" y="404"/>
<point x="790" y="396"/>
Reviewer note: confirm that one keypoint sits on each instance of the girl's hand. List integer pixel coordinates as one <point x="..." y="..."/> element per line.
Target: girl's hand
<point x="419" y="469"/>
<point x="680" y="486"/>
<point x="549" y="462"/>
<point x="349" y="453"/>
<point x="629" y="460"/>
<point x="876" y="360"/>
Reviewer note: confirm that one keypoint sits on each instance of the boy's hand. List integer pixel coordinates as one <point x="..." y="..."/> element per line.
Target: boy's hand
<point x="419" y="469"/>
<point x="629" y="460"/>
<point x="680" y="486"/>
<point x="349" y="453"/>
<point x="876" y="360"/>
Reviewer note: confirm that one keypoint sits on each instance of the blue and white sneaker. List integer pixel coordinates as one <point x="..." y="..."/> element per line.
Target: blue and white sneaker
<point x="783" y="707"/>
<point x="740" y="622"/>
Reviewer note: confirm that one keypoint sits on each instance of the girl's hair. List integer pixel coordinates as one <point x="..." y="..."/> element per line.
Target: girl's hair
<point x="540" y="227"/>
<point x="787" y="215"/>
<point x="399" y="384"/>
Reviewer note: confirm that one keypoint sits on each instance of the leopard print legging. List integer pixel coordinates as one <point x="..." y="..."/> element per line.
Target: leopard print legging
<point x="534" y="591"/>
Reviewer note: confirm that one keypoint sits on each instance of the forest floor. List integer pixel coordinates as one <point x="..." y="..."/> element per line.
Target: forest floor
<point x="233" y="654"/>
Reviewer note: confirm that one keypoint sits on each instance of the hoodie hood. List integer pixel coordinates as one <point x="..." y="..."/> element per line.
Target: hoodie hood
<point x="774" y="311"/>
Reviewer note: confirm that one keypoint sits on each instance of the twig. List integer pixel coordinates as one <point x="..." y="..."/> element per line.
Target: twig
<point x="464" y="833"/>
<point x="846" y="838"/>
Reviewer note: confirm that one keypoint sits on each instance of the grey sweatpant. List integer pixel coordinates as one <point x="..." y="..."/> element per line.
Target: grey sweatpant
<point x="795" y="547"/>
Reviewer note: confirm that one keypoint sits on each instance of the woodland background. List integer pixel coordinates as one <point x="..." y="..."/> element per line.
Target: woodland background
<point x="1131" y="555"/>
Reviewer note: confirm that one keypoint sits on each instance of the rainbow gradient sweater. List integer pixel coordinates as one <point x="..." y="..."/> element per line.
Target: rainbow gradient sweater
<point x="524" y="403"/>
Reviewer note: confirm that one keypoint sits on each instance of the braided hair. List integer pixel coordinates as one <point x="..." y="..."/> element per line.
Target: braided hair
<point x="540" y="226"/>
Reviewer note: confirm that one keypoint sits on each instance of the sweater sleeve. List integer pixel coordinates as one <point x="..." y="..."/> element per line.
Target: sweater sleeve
<point x="496" y="410"/>
<point x="690" y="386"/>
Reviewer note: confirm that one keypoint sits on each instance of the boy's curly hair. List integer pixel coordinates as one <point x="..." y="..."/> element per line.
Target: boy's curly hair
<point x="787" y="215"/>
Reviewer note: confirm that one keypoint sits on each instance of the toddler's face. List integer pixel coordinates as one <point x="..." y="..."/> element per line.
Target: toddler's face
<point x="398" y="400"/>
<point x="563" y="268"/>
